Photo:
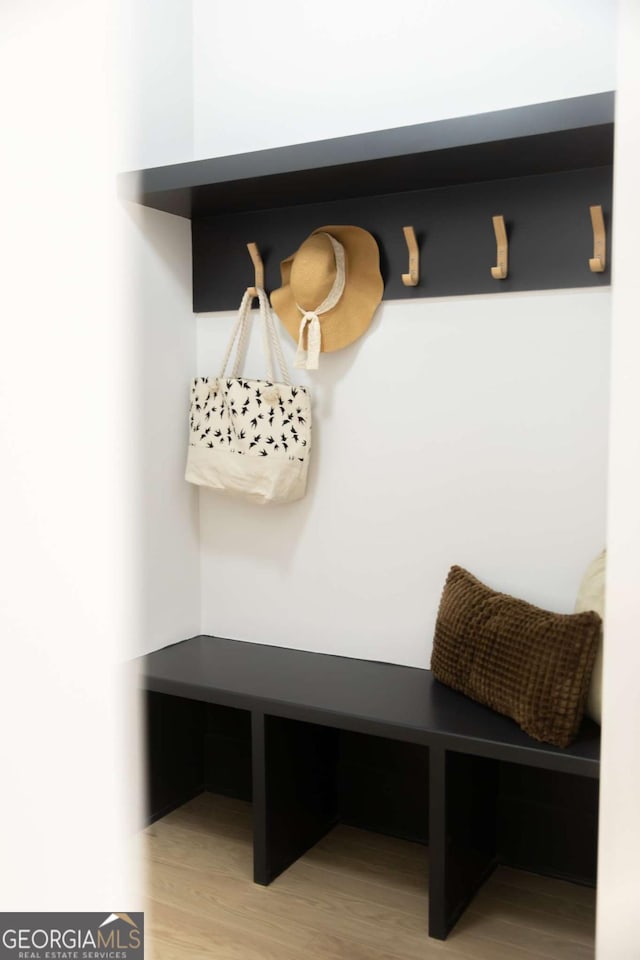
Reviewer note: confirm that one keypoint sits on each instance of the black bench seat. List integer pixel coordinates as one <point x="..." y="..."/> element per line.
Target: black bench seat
<point x="285" y="689"/>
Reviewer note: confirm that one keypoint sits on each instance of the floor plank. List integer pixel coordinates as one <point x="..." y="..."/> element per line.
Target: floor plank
<point x="560" y="889"/>
<point x="177" y="933"/>
<point x="354" y="896"/>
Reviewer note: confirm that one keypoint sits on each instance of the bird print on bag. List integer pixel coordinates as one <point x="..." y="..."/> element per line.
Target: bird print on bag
<point x="285" y="411"/>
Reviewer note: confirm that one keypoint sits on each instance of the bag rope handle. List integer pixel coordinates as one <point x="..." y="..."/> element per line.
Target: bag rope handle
<point x="271" y="340"/>
<point x="270" y="325"/>
<point x="238" y="328"/>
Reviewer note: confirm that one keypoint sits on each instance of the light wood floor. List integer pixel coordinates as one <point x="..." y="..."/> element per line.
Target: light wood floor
<point x="354" y="896"/>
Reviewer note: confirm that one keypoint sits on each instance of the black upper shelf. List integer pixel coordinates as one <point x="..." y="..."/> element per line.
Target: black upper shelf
<point x="541" y="138"/>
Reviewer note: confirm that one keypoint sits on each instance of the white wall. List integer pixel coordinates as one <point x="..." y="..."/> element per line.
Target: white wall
<point x="67" y="765"/>
<point x="98" y="545"/>
<point x="499" y="460"/>
<point x="156" y="260"/>
<point x="467" y="430"/>
<point x="154" y="42"/>
<point x="618" y="937"/>
<point x="267" y="74"/>
<point x="155" y="74"/>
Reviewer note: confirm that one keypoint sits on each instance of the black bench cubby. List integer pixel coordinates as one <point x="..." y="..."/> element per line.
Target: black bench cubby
<point x="316" y="740"/>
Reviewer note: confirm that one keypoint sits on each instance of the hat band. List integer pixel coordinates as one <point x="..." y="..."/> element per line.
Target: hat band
<point x="308" y="359"/>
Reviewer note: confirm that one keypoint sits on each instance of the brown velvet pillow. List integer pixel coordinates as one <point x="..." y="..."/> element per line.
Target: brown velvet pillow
<point x="530" y="664"/>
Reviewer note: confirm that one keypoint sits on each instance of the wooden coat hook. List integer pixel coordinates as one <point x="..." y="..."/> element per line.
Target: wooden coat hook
<point x="598" y="261"/>
<point x="501" y="269"/>
<point x="412" y="278"/>
<point x="258" y="265"/>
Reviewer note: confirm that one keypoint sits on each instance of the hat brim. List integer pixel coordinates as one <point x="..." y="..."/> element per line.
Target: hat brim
<point x="353" y="313"/>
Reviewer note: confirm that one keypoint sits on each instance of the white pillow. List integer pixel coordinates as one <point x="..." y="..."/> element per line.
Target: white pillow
<point x="591" y="597"/>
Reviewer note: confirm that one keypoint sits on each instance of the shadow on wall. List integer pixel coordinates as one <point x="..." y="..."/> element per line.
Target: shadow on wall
<point x="470" y="430"/>
<point x="156" y="254"/>
<point x="270" y="535"/>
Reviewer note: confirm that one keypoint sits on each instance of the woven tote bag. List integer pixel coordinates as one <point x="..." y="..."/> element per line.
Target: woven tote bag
<point x="250" y="438"/>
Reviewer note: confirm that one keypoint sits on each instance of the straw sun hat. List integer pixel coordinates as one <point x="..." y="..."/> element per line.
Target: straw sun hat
<point x="330" y="290"/>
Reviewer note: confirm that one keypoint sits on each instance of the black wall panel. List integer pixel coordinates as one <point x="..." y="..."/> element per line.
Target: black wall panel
<point x="227" y="751"/>
<point x="384" y="785"/>
<point x="548" y="822"/>
<point x="547" y="218"/>
<point x="175" y="752"/>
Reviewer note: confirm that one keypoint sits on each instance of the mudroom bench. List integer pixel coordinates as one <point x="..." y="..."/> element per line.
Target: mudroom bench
<point x="314" y="740"/>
